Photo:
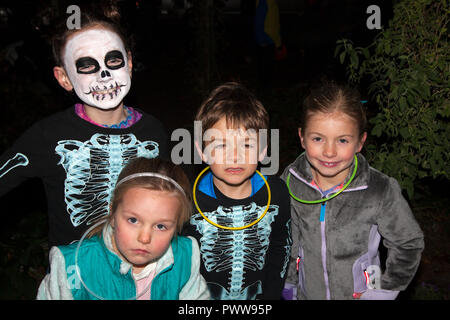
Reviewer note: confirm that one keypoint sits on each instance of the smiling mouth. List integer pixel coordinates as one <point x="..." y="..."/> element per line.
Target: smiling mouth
<point x="329" y="164"/>
<point x="112" y="91"/>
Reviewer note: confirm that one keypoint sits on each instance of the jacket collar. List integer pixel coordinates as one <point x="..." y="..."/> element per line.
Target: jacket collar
<point x="166" y="260"/>
<point x="301" y="170"/>
<point x="206" y="184"/>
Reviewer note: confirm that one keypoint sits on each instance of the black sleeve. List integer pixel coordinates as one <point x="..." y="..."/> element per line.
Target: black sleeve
<point x="153" y="129"/>
<point x="162" y="137"/>
<point x="278" y="253"/>
<point x="25" y="159"/>
<point x="164" y="143"/>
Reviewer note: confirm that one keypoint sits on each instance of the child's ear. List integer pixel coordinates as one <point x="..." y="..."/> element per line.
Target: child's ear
<point x="362" y="141"/>
<point x="130" y="63"/>
<point x="200" y="152"/>
<point x="300" y="135"/>
<point x="62" y="78"/>
<point x="262" y="154"/>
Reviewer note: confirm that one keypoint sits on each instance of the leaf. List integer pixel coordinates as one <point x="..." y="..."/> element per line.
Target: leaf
<point x="387" y="47"/>
<point x="377" y="130"/>
<point x="342" y="57"/>
<point x="444" y="110"/>
<point x="404" y="132"/>
<point x="422" y="174"/>
<point x="410" y="99"/>
<point x="424" y="90"/>
<point x="409" y="186"/>
<point x="354" y="60"/>
<point x="338" y="48"/>
<point x="394" y="92"/>
<point x="402" y="103"/>
<point x="365" y="52"/>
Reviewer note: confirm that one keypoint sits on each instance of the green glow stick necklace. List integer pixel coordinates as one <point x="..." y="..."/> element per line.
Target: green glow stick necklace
<point x="328" y="198"/>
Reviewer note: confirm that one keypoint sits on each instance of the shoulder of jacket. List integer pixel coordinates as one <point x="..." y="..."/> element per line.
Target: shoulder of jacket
<point x="383" y="186"/>
<point x="90" y="245"/>
<point x="379" y="178"/>
<point x="181" y="244"/>
<point x="150" y="118"/>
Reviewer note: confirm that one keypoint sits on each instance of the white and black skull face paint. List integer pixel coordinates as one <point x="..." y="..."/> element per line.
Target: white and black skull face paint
<point x="97" y="66"/>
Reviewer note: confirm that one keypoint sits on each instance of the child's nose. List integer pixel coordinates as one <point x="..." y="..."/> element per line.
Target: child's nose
<point x="234" y="155"/>
<point x="145" y="236"/>
<point x="329" y="150"/>
<point x="105" y="75"/>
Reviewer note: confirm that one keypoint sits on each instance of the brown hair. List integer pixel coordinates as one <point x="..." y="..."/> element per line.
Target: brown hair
<point x="157" y="165"/>
<point x="329" y="97"/>
<point x="237" y="104"/>
<point x="97" y="14"/>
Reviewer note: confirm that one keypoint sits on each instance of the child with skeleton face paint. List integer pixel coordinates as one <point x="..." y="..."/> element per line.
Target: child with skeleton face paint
<point x="79" y="152"/>
<point x="98" y="68"/>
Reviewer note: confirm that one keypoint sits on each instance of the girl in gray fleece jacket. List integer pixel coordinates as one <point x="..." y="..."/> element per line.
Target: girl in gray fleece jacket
<point x="342" y="207"/>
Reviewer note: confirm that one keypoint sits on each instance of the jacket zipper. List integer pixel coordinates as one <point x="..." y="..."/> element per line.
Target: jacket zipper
<point x="324" y="248"/>
<point x="322" y="229"/>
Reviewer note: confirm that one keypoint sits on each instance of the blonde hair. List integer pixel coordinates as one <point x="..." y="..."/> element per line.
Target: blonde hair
<point x="161" y="167"/>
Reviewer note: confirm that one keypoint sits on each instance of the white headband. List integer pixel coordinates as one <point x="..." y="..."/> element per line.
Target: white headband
<point x="151" y="174"/>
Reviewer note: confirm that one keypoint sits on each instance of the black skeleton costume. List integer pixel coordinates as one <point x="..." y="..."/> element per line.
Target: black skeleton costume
<point x="78" y="161"/>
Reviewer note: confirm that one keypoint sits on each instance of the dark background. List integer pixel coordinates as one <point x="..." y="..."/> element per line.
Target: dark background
<point x="169" y="82"/>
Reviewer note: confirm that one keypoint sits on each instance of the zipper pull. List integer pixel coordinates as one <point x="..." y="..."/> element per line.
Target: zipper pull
<point x="366" y="275"/>
<point x="322" y="211"/>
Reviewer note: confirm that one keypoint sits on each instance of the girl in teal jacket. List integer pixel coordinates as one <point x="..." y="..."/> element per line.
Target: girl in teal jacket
<point x="135" y="253"/>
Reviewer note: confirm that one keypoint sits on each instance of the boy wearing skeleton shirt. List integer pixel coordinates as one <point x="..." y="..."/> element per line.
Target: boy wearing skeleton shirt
<point x="242" y="220"/>
<point x="79" y="152"/>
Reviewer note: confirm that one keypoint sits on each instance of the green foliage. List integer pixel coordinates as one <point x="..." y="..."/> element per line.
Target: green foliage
<point x="408" y="66"/>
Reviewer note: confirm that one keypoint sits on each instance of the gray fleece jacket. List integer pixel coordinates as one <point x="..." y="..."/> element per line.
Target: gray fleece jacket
<point x="335" y="244"/>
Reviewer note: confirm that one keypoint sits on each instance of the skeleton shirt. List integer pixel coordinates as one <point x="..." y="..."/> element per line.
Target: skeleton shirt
<point x="79" y="163"/>
<point x="243" y="264"/>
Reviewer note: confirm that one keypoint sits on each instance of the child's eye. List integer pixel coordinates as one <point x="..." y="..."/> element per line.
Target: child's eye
<point x="220" y="146"/>
<point x="86" y="69"/>
<point x="114" y="62"/>
<point x="343" y="140"/>
<point x="87" y="65"/>
<point x="132" y="220"/>
<point x="161" y="227"/>
<point x="317" y="139"/>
